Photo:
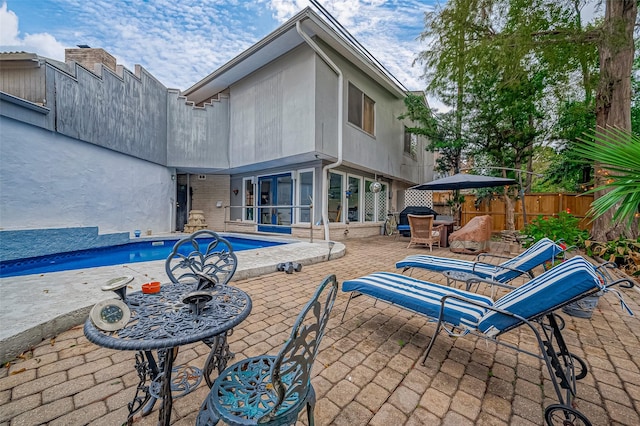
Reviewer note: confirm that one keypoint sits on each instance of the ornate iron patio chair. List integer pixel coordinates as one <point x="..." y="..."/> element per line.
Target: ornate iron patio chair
<point x="272" y="390"/>
<point x="533" y="305"/>
<point x="208" y="262"/>
<point x="194" y="261"/>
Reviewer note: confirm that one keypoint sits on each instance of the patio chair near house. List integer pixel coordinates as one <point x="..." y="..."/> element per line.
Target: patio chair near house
<point x="511" y="268"/>
<point x="531" y="305"/>
<point x="272" y="390"/>
<point x="422" y="230"/>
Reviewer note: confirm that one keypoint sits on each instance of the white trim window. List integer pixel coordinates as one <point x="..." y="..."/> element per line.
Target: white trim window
<point x="304" y="194"/>
<point x="248" y="199"/>
<point x="410" y="144"/>
<point x="335" y="205"/>
<point x="354" y="198"/>
<point x="361" y="110"/>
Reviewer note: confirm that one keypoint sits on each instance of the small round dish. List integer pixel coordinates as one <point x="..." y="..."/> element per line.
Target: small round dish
<point x="116" y="283"/>
<point x="151" y="288"/>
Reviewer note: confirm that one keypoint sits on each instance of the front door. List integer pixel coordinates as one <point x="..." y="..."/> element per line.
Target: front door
<point x="182" y="213"/>
<point x="275" y="190"/>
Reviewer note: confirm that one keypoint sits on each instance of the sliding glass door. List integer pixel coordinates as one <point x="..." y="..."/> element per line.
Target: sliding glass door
<point x="275" y="190"/>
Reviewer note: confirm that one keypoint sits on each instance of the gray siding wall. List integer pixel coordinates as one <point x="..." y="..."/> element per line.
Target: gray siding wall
<point x="272" y="111"/>
<point x="197" y="137"/>
<point x="24" y="111"/>
<point x="49" y="180"/>
<point x="24" y="83"/>
<point x="127" y="114"/>
<point x="326" y="87"/>
<point x="382" y="152"/>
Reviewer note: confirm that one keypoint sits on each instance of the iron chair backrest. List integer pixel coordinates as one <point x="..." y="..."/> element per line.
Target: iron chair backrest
<point x="190" y="258"/>
<point x="299" y="352"/>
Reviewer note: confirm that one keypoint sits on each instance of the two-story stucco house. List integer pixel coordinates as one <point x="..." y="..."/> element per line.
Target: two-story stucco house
<point x="302" y="118"/>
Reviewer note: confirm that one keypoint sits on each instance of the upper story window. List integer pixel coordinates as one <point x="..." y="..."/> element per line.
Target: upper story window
<point x="361" y="110"/>
<point x="410" y="144"/>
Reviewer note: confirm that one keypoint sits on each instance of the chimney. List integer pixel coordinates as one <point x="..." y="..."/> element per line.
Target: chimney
<point x="88" y="57"/>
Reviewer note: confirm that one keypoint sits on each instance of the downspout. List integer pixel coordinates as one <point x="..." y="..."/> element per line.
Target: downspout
<point x="325" y="169"/>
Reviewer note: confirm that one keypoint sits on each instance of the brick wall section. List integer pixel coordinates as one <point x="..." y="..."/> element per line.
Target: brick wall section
<point x="206" y="193"/>
<point x="89" y="57"/>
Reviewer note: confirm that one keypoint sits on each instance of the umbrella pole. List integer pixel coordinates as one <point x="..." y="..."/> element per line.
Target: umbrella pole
<point x="456" y="198"/>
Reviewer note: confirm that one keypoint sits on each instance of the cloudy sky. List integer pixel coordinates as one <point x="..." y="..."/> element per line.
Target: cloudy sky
<point x="182" y="41"/>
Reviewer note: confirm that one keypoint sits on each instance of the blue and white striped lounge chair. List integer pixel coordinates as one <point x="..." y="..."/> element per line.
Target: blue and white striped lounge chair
<point x="523" y="264"/>
<point x="532" y="304"/>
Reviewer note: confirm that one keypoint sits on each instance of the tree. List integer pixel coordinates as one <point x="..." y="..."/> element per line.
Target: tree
<point x="505" y="122"/>
<point x="440" y="131"/>
<point x="451" y="31"/>
<point x="635" y="92"/>
<point x="574" y="119"/>
<point x="618" y="151"/>
<point x="467" y="34"/>
<point x="613" y="100"/>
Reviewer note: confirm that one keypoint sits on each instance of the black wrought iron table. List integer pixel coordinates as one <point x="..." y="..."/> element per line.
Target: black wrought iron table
<point x="165" y="321"/>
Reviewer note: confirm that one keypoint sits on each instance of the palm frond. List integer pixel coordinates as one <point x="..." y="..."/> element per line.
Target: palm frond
<point x="617" y="152"/>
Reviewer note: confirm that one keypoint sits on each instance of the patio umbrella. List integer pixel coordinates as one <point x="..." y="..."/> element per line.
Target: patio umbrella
<point x="464" y="181"/>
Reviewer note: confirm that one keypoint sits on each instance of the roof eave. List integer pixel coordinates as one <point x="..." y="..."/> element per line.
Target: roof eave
<point x="206" y="88"/>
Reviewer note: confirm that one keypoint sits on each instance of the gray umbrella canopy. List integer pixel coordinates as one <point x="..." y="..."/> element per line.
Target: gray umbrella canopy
<point x="464" y="181"/>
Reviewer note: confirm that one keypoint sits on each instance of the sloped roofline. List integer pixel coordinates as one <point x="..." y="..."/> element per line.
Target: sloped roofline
<point x="282" y="40"/>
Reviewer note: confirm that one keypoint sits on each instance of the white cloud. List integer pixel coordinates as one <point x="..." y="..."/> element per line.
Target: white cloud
<point x="11" y="40"/>
<point x="8" y="27"/>
<point x="388" y="30"/>
<point x="180" y="42"/>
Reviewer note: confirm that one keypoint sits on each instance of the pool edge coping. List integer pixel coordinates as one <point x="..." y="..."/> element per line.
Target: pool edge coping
<point x="23" y="340"/>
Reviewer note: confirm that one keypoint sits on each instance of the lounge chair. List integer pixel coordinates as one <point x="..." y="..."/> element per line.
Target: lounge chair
<point x="532" y="304"/>
<point x="422" y="230"/>
<point x="523" y="264"/>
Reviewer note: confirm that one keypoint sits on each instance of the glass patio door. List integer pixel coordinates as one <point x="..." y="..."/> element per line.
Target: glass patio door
<point x="275" y="190"/>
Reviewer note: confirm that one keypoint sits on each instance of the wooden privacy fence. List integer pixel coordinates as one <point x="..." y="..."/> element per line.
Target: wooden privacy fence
<point x="537" y="204"/>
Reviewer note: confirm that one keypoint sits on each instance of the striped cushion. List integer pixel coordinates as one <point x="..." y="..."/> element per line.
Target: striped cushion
<point x="548" y="291"/>
<point x="542" y="251"/>
<point x="537" y="254"/>
<point x="420" y="296"/>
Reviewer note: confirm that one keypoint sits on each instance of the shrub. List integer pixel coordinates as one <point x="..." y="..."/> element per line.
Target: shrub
<point x="564" y="227"/>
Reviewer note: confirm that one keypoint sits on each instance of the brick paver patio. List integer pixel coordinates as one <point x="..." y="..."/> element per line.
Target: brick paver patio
<point x="368" y="371"/>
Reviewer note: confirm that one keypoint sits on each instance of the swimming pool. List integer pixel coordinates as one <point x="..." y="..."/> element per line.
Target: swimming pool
<point x="138" y="251"/>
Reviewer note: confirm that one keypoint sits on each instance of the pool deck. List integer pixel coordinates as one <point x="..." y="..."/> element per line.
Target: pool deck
<point x="368" y="370"/>
<point x="37" y="307"/>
